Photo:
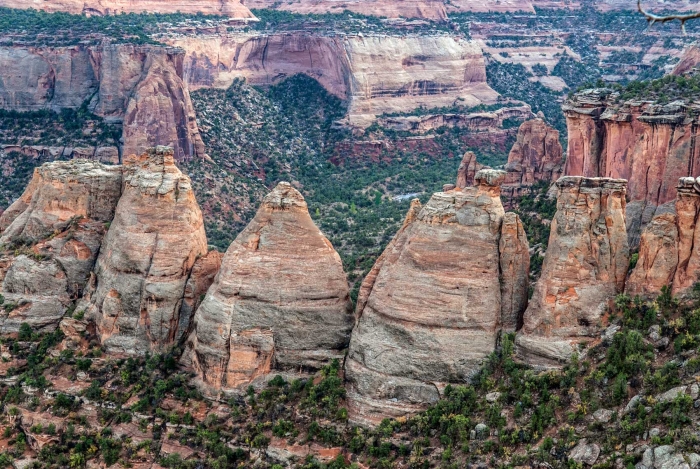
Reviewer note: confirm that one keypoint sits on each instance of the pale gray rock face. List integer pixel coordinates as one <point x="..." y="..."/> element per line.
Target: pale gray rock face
<point x="146" y="258"/>
<point x="585" y="267"/>
<point x="279" y="302"/>
<point x="431" y="311"/>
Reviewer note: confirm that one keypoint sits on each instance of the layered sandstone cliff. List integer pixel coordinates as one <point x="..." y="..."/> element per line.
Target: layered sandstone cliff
<point x="668" y="250"/>
<point x="650" y="145"/>
<point x="536" y="156"/>
<point x="432" y="307"/>
<point x="147" y="256"/>
<point x="280" y="301"/>
<point x="584" y="268"/>
<point x="232" y="8"/>
<point x="50" y="238"/>
<point x="377" y="74"/>
<point x="140" y="87"/>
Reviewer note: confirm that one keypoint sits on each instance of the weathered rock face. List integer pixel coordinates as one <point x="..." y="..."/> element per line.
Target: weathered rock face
<point x="426" y="9"/>
<point x="430" y="310"/>
<point x="467" y="170"/>
<point x="58" y="224"/>
<point x="147" y="257"/>
<point x="536" y="156"/>
<point x="668" y="250"/>
<point x="231" y="8"/>
<point x="584" y="268"/>
<point x="279" y="302"/>
<point x="377" y="74"/>
<point x="139" y="86"/>
<point x="514" y="261"/>
<point x="651" y="146"/>
<point x="475" y="121"/>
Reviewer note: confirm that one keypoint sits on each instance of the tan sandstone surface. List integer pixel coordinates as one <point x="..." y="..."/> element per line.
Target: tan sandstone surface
<point x="280" y="301"/>
<point x="436" y="288"/>
<point x="153" y="242"/>
<point x="50" y="238"/>
<point x="584" y="268"/>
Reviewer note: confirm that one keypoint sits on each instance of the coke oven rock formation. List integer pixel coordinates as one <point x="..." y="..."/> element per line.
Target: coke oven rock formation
<point x="650" y="145"/>
<point x="668" y="250"/>
<point x="50" y="238"/>
<point x="280" y="301"/>
<point x="584" y="268"/>
<point x="536" y="156"/>
<point x="432" y="307"/>
<point x="147" y="257"/>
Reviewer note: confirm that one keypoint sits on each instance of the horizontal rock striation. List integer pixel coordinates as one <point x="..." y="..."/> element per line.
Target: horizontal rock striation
<point x="280" y="301"/>
<point x="668" y="250"/>
<point x="431" y="308"/>
<point x="650" y="145"/>
<point x="584" y="268"/>
<point x="50" y="238"/>
<point x="140" y="87"/>
<point x="147" y="256"/>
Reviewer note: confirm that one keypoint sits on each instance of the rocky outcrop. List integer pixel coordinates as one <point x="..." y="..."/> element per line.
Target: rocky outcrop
<point x="140" y="87"/>
<point x="650" y="145"/>
<point x="102" y="154"/>
<point x="584" y="268"/>
<point x="474" y="121"/>
<point x="280" y="301"/>
<point x="667" y="252"/>
<point x="431" y="308"/>
<point x="232" y="8"/>
<point x="424" y="9"/>
<point x="536" y="156"/>
<point x="514" y="262"/>
<point x="147" y="256"/>
<point x="467" y="170"/>
<point x="54" y="232"/>
<point x="689" y="60"/>
<point x="377" y="74"/>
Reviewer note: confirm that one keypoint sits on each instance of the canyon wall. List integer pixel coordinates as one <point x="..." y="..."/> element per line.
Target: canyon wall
<point x="279" y="303"/>
<point x="437" y="287"/>
<point x="232" y="8"/>
<point x="140" y="87"/>
<point x="668" y="254"/>
<point x="377" y="74"/>
<point x="584" y="268"/>
<point x="651" y="146"/>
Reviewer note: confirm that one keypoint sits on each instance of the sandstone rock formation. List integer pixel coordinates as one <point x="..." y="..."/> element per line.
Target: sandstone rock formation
<point x="584" y="268"/>
<point x="650" y="145"/>
<point x="536" y="156"/>
<point x="668" y="250"/>
<point x="377" y="74"/>
<point x="139" y="86"/>
<point x="232" y="8"/>
<point x="54" y="232"/>
<point x="279" y="302"/>
<point x="472" y="121"/>
<point x="147" y="256"/>
<point x="467" y="170"/>
<point x="431" y="308"/>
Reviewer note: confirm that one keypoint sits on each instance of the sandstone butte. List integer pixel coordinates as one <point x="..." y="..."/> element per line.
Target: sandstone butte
<point x="280" y="301"/>
<point x="433" y="305"/>
<point x="232" y="8"/>
<point x="50" y="238"/>
<point x="147" y="257"/>
<point x="584" y="268"/>
<point x="140" y="87"/>
<point x="650" y="145"/>
<point x="668" y="254"/>
<point x="536" y="156"/>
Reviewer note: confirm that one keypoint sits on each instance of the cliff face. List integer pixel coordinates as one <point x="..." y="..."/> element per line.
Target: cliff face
<point x="536" y="156"/>
<point x="378" y="74"/>
<point x="668" y="250"/>
<point x="231" y="8"/>
<point x="651" y="146"/>
<point x="138" y="86"/>
<point x="147" y="256"/>
<point x="436" y="287"/>
<point x="584" y="268"/>
<point x="280" y="301"/>
<point x="50" y="238"/>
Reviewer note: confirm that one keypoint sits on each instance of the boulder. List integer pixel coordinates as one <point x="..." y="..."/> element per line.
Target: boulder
<point x="584" y="268"/>
<point x="279" y="302"/>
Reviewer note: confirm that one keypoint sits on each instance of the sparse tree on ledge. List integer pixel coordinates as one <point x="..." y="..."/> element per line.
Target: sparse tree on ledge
<point x="652" y="18"/>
